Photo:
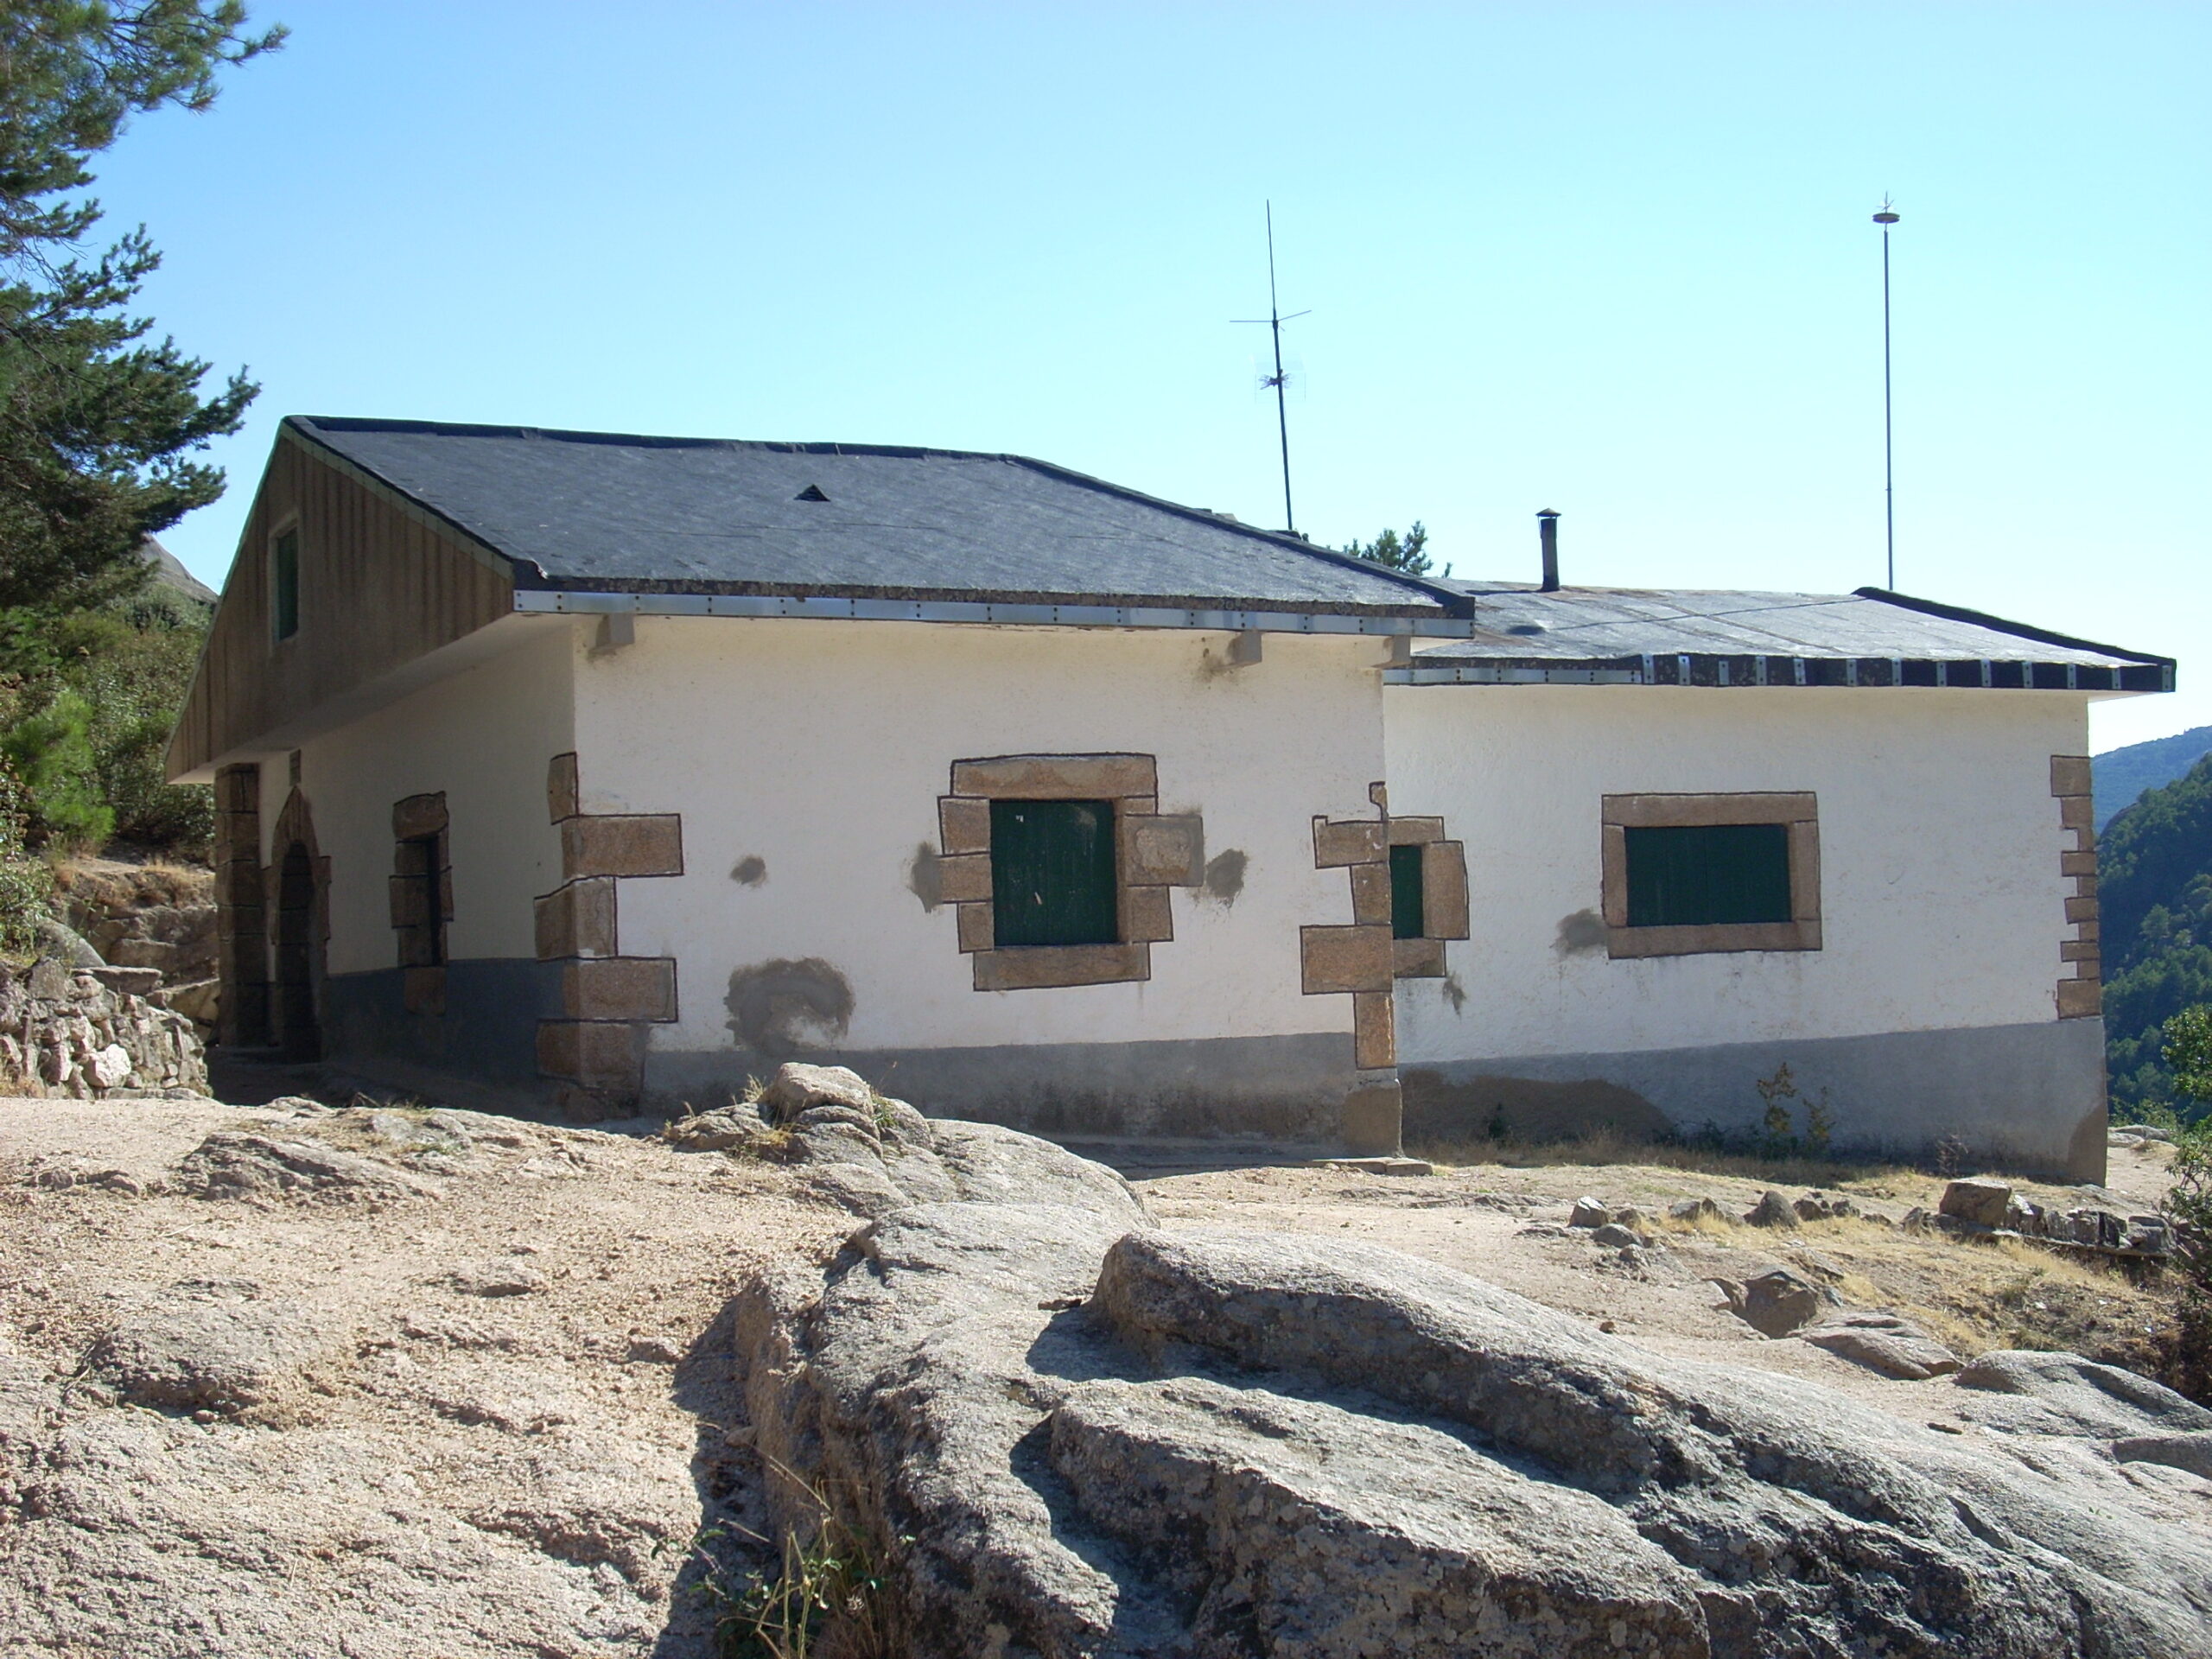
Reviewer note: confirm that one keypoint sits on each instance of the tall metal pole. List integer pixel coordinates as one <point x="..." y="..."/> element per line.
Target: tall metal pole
<point x="1886" y="218"/>
<point x="1282" y="414"/>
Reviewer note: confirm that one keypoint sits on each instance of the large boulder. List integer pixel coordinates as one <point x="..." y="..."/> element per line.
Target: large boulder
<point x="1883" y="1342"/>
<point x="874" y="1155"/>
<point x="1776" y="1303"/>
<point x="1976" y="1202"/>
<point x="1058" y="1432"/>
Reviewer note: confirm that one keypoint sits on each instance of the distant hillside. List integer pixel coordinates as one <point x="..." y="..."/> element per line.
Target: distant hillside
<point x="2154" y="892"/>
<point x="2119" y="776"/>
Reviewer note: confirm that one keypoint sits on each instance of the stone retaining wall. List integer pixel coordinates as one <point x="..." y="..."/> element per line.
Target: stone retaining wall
<point x="88" y="1032"/>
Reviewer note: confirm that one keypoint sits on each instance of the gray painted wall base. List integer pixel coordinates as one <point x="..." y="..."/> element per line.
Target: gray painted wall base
<point x="488" y="1030"/>
<point x="1283" y="1088"/>
<point x="2029" y="1099"/>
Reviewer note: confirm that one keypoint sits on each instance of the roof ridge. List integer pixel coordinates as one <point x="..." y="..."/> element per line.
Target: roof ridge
<point x="569" y="435"/>
<point x="1454" y="602"/>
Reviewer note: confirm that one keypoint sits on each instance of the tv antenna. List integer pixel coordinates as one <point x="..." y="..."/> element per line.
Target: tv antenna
<point x="1281" y="378"/>
<point x="1886" y="218"/>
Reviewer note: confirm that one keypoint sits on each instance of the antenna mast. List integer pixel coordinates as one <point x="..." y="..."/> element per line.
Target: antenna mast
<point x="1279" y="379"/>
<point x="1886" y="218"/>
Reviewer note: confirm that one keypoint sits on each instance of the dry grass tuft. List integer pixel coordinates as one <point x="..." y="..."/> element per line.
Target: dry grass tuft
<point x="1609" y="1147"/>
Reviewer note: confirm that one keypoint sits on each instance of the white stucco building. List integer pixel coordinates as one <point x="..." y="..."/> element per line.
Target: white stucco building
<point x="602" y="769"/>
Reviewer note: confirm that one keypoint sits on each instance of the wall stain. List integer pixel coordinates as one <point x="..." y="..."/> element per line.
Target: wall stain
<point x="751" y="871"/>
<point x="1524" y="1110"/>
<point x="1224" y="877"/>
<point x="925" y="879"/>
<point x="779" y="1008"/>
<point x="1455" y="993"/>
<point x="1579" y="934"/>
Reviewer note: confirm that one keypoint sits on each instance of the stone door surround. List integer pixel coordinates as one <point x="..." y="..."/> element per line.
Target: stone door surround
<point x="597" y="1048"/>
<point x="1799" y="810"/>
<point x="242" y="934"/>
<point x="1152" y="852"/>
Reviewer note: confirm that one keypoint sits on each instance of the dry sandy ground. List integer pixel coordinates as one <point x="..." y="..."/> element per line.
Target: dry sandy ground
<point x="491" y="1436"/>
<point x="1506" y="1225"/>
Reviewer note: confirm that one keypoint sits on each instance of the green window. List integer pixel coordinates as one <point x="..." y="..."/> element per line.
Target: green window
<point x="1695" y="875"/>
<point x="286" y="557"/>
<point x="1406" y="915"/>
<point x="1052" y="873"/>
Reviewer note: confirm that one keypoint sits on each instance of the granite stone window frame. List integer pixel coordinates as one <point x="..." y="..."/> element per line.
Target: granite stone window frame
<point x="422" y="898"/>
<point x="1438" y="869"/>
<point x="1797" y="811"/>
<point x="1152" y="852"/>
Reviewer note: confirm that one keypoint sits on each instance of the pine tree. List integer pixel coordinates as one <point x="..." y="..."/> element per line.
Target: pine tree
<point x="1405" y="553"/>
<point x="97" y="421"/>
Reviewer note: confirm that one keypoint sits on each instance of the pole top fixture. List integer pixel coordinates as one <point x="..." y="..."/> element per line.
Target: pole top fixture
<point x="1886" y="216"/>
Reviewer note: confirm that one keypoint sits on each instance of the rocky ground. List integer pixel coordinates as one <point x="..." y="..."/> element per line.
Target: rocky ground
<point x="284" y="1380"/>
<point x="1507" y="1223"/>
<point x="276" y="1382"/>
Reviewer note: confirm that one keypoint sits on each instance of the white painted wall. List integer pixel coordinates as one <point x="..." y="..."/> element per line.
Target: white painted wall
<point x="822" y="747"/>
<point x="1942" y="902"/>
<point x="484" y="737"/>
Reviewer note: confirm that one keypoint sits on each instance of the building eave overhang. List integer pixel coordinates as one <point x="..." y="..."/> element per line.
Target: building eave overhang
<point x="1011" y="610"/>
<point x="1693" y="669"/>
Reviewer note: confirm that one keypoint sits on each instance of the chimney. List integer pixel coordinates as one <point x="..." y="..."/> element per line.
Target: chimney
<point x="1547" y="531"/>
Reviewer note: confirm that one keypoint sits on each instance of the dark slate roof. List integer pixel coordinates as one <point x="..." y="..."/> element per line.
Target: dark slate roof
<point x="599" y="512"/>
<point x="1707" y="638"/>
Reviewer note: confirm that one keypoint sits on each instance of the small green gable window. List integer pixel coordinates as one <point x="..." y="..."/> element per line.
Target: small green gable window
<point x="284" y="597"/>
<point x="1407" y="899"/>
<point x="1052" y="873"/>
<point x="1699" y="875"/>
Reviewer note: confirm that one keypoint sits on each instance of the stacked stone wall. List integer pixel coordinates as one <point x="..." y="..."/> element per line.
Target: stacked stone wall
<point x="87" y="1033"/>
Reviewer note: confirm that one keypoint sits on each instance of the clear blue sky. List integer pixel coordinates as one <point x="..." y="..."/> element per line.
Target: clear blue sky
<point x="1610" y="259"/>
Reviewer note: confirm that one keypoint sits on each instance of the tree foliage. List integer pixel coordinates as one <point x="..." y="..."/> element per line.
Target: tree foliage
<point x="1408" y="553"/>
<point x="2188" y="1359"/>
<point x="96" y="419"/>
<point x="2155" y="895"/>
<point x="2188" y="1052"/>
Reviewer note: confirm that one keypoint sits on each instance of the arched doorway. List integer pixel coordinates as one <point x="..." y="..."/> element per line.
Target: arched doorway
<point x="297" y="934"/>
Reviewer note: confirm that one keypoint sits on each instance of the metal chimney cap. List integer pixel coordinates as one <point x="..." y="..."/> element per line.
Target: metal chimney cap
<point x="1546" y="512"/>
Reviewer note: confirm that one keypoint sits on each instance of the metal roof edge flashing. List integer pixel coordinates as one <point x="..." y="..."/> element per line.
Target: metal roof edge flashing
<point x="2019" y="630"/>
<point x="567" y="601"/>
<point x="1702" y="671"/>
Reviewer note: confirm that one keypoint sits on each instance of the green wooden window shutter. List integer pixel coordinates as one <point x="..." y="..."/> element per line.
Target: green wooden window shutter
<point x="287" y="554"/>
<point x="1406" y="896"/>
<point x="1697" y="875"/>
<point x="1052" y="873"/>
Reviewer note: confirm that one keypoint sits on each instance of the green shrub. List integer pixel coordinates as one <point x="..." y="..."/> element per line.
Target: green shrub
<point x="2188" y="1054"/>
<point x="26" y="883"/>
<point x="51" y="751"/>
<point x="86" y="703"/>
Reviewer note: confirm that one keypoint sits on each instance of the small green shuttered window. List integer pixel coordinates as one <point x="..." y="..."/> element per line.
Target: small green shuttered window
<point x="286" y="599"/>
<point x="1052" y="880"/>
<point x="1697" y="875"/>
<point x="1406" y="897"/>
